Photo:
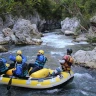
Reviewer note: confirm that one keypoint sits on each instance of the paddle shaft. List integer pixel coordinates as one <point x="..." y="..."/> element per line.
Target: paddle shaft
<point x="10" y="81"/>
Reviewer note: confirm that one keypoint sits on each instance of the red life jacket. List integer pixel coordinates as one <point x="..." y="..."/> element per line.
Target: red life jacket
<point x="68" y="62"/>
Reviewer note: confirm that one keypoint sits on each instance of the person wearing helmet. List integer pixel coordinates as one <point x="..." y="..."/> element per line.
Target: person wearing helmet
<point x="19" y="52"/>
<point x="3" y="67"/>
<point x="69" y="51"/>
<point x="13" y="58"/>
<point x="39" y="62"/>
<point x="21" y="69"/>
<point x="65" y="63"/>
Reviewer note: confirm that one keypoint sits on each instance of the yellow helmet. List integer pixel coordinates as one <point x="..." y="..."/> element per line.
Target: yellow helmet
<point x="18" y="58"/>
<point x="19" y="52"/>
<point x="41" y="51"/>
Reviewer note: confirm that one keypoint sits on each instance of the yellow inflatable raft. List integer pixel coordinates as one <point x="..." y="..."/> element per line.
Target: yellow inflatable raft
<point x="39" y="79"/>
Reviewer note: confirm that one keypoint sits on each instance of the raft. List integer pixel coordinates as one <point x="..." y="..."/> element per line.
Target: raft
<point x="39" y="80"/>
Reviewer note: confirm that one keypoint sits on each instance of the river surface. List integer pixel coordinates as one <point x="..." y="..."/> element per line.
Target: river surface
<point x="55" y="45"/>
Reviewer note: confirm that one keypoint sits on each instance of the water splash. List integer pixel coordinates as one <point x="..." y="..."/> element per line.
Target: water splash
<point x="84" y="93"/>
<point x="57" y="53"/>
<point x="85" y="75"/>
<point x="57" y="41"/>
<point x="52" y="91"/>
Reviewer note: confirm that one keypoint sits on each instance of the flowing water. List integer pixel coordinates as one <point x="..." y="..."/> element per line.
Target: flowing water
<point x="55" y="45"/>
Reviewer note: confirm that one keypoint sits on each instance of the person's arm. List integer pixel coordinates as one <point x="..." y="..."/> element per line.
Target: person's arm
<point x="12" y="58"/>
<point x="4" y="60"/>
<point x="24" y="59"/>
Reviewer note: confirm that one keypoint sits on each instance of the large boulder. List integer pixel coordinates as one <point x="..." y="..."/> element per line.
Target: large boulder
<point x="25" y="32"/>
<point x="85" y="58"/>
<point x="70" y="24"/>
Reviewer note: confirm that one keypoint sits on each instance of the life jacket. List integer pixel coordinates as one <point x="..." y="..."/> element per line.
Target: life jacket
<point x="24" y="70"/>
<point x="20" y="70"/>
<point x="39" y="62"/>
<point x="2" y="66"/>
<point x="67" y="65"/>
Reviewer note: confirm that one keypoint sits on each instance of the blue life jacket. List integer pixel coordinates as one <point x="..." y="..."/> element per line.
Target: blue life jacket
<point x="40" y="60"/>
<point x="19" y="70"/>
<point x="3" y="66"/>
<point x="12" y="58"/>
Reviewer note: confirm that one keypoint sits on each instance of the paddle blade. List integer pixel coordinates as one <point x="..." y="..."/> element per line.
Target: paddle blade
<point x="9" y="84"/>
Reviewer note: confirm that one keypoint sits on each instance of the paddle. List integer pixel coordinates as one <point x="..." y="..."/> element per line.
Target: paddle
<point x="10" y="81"/>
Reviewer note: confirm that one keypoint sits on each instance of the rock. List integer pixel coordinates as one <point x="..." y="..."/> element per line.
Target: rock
<point x="7" y="32"/>
<point x="13" y="38"/>
<point x="2" y="49"/>
<point x="37" y="41"/>
<point x="3" y="40"/>
<point x="10" y="20"/>
<point x="85" y="58"/>
<point x="93" y="19"/>
<point x="92" y="29"/>
<point x="68" y="33"/>
<point x="81" y="39"/>
<point x="25" y="31"/>
<point x="70" y="24"/>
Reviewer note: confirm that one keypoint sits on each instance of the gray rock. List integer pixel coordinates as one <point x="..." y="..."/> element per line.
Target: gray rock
<point x="69" y="24"/>
<point x="85" y="58"/>
<point x="25" y="31"/>
<point x="2" y="49"/>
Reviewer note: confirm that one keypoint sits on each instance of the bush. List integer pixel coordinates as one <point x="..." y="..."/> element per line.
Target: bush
<point x="92" y="39"/>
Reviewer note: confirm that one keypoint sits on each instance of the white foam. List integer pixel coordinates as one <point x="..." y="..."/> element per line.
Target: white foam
<point x="58" y="53"/>
<point x="52" y="91"/>
<point x="58" y="41"/>
<point x="85" y="93"/>
<point x="85" y="75"/>
<point x="82" y="42"/>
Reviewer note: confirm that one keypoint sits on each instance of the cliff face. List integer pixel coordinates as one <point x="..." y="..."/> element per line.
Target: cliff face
<point x="92" y="29"/>
<point x="9" y="20"/>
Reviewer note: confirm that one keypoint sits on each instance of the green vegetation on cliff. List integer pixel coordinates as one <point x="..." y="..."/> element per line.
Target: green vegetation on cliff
<point x="51" y="9"/>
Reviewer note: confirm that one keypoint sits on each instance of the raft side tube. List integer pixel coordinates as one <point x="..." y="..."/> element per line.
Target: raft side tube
<point x="41" y="73"/>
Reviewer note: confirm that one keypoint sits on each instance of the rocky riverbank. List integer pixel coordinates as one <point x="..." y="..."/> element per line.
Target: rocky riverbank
<point x="85" y="58"/>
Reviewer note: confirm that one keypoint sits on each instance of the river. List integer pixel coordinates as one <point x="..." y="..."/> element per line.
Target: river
<point x="55" y="45"/>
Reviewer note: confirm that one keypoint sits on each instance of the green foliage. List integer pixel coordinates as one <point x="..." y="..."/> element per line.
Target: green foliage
<point x="51" y="9"/>
<point x="15" y="8"/>
<point x="83" y="9"/>
<point x="3" y="5"/>
<point x="92" y="39"/>
<point x="44" y="7"/>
